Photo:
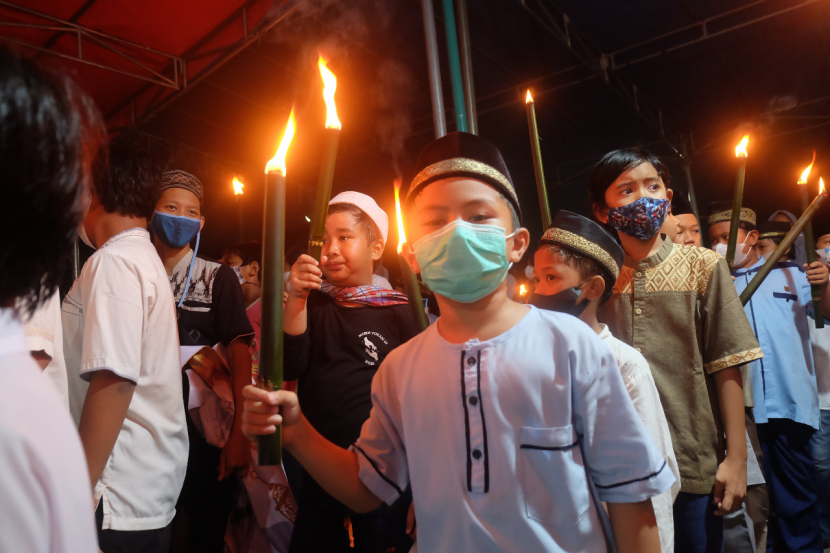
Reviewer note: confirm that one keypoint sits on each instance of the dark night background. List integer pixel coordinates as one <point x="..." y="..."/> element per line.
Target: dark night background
<point x="764" y="67"/>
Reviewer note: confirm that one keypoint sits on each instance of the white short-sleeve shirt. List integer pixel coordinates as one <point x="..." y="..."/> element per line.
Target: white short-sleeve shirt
<point x="639" y="382"/>
<point x="491" y="437"/>
<point x="44" y="333"/>
<point x="45" y="499"/>
<point x="120" y="316"/>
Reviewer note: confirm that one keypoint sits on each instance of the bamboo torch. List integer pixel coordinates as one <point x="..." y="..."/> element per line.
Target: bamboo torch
<point x="331" y="138"/>
<point x="410" y="281"/>
<point x="809" y="244"/>
<point x="740" y="153"/>
<point x="237" y="193"/>
<point x="785" y="244"/>
<point x="273" y="249"/>
<point x="537" y="162"/>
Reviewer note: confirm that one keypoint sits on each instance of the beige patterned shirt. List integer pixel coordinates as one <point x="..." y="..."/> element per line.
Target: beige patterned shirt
<point x="680" y="310"/>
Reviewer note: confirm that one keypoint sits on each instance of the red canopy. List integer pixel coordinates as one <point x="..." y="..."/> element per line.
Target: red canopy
<point x="134" y="57"/>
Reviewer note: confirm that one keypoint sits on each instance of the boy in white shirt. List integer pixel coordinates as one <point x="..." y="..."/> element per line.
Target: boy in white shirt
<point x="575" y="268"/>
<point x="122" y="357"/>
<point x="48" y="128"/>
<point x="510" y="423"/>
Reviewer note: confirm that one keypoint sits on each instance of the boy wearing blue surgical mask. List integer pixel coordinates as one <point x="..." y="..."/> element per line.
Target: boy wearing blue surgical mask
<point x="674" y="304"/>
<point x="211" y="310"/>
<point x="508" y="422"/>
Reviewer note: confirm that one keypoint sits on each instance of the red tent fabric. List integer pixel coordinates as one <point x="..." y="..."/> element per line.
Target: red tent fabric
<point x="133" y="56"/>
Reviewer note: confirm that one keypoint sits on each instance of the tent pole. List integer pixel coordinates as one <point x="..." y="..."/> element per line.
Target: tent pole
<point x="455" y="68"/>
<point x="434" y="68"/>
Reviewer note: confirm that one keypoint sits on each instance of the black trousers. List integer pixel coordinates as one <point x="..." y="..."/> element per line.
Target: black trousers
<point x="131" y="541"/>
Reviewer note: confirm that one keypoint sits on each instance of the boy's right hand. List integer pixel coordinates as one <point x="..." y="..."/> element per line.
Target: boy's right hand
<point x="264" y="410"/>
<point x="305" y="276"/>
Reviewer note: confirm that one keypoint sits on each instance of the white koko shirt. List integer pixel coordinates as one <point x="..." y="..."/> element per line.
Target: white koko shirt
<point x="120" y="316"/>
<point x="45" y="500"/>
<point x="491" y="437"/>
<point x="638" y="381"/>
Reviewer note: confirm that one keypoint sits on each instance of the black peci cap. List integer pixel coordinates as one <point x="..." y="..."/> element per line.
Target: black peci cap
<point x="773" y="229"/>
<point x="461" y="154"/>
<point x="586" y="238"/>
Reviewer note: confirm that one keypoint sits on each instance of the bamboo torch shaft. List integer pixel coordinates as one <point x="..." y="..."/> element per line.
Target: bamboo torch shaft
<point x="323" y="193"/>
<point x="810" y="246"/>
<point x="536" y="150"/>
<point x="736" y="213"/>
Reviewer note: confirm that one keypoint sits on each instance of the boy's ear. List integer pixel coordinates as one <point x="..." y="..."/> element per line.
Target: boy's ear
<point x="521" y="241"/>
<point x="201" y="226"/>
<point x="669" y="194"/>
<point x="409" y="256"/>
<point x="255" y="268"/>
<point x="752" y="237"/>
<point x="594" y="288"/>
<point x="601" y="213"/>
<point x="377" y="249"/>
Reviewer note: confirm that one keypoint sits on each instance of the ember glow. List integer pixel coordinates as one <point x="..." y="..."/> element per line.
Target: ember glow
<point x="821" y="189"/>
<point x="522" y="290"/>
<point x="740" y="149"/>
<point x="277" y="163"/>
<point x="329" y="87"/>
<point x="401" y="233"/>
<point x="529" y="98"/>
<point x="237" y="187"/>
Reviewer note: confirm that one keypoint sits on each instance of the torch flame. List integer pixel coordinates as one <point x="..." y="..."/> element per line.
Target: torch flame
<point x="740" y="149"/>
<point x="401" y="233"/>
<point x="277" y="163"/>
<point x="237" y="187"/>
<point x="522" y="290"/>
<point x="806" y="173"/>
<point x="529" y="98"/>
<point x="821" y="189"/>
<point x="329" y="86"/>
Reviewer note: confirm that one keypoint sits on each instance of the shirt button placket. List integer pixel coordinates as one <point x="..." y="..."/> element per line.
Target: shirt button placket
<point x="476" y="451"/>
<point x="638" y="330"/>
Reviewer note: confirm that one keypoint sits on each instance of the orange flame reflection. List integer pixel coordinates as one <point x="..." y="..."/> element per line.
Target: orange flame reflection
<point x="529" y="98"/>
<point x="522" y="290"/>
<point x="740" y="149"/>
<point x="821" y="189"/>
<point x="277" y="163"/>
<point x="329" y="87"/>
<point x="237" y="187"/>
<point x="401" y="233"/>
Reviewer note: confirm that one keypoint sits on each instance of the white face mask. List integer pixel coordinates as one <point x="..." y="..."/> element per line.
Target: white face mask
<point x="740" y="256"/>
<point x="83" y="236"/>
<point x="824" y="255"/>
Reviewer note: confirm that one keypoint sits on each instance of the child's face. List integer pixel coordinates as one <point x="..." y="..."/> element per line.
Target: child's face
<point x="688" y="230"/>
<point x="823" y="242"/>
<point x="551" y="272"/>
<point x="635" y="183"/>
<point x="765" y="247"/>
<point x="350" y="258"/>
<point x="462" y="198"/>
<point x="181" y="202"/>
<point x="719" y="233"/>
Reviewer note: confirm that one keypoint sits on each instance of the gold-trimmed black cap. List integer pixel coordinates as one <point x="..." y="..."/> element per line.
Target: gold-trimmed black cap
<point x="722" y="211"/>
<point x="773" y="229"/>
<point x="461" y="154"/>
<point x="586" y="238"/>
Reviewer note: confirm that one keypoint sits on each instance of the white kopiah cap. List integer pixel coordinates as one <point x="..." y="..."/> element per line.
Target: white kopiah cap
<point x="368" y="206"/>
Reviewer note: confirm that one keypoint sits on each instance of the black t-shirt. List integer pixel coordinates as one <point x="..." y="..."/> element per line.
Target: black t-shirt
<point x="214" y="309"/>
<point x="336" y="359"/>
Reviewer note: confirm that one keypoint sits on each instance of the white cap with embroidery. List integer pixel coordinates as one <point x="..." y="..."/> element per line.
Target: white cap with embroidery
<point x="369" y="206"/>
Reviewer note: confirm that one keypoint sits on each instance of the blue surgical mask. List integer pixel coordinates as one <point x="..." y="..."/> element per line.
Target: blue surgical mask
<point x="463" y="261"/>
<point x="641" y="219"/>
<point x="175" y="231"/>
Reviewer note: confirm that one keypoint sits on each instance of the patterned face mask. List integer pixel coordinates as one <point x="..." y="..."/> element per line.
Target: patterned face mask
<point x="641" y="219"/>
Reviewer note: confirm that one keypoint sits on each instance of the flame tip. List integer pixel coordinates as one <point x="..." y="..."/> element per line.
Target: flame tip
<point x="528" y="98"/>
<point x="329" y="88"/>
<point x="740" y="149"/>
<point x="277" y="163"/>
<point x="805" y="175"/>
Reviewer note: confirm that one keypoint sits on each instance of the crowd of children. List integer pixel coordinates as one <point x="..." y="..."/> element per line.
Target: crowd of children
<point x="632" y="403"/>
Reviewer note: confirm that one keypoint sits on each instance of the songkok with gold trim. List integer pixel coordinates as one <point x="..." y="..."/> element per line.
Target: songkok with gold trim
<point x="583" y="237"/>
<point x="722" y="211"/>
<point x="461" y="154"/>
<point x="774" y="230"/>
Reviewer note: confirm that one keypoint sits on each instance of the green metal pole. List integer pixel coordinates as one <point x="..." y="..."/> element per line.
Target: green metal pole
<point x="455" y="67"/>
